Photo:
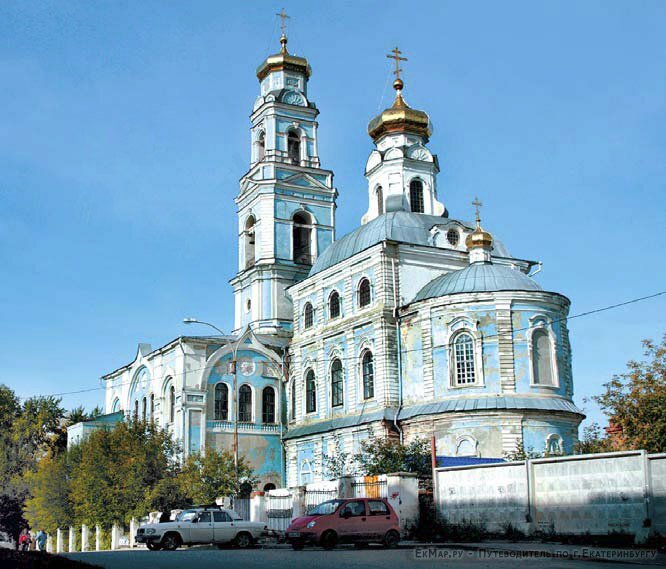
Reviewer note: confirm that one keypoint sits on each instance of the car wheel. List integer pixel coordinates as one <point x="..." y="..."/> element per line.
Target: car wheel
<point x="391" y="539"/>
<point x="329" y="540"/>
<point x="243" y="540"/>
<point x="297" y="546"/>
<point x="170" y="542"/>
<point x="153" y="545"/>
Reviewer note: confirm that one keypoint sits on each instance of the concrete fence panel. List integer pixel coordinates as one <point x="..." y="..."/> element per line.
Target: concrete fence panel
<point x="657" y="466"/>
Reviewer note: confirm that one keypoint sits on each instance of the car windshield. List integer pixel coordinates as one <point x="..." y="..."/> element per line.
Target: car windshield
<point x="186" y="516"/>
<point x="325" y="508"/>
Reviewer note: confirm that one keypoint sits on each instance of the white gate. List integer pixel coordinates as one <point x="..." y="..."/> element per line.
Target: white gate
<point x="280" y="510"/>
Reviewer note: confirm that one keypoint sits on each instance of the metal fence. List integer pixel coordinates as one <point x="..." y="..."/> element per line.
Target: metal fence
<point x="242" y="507"/>
<point x="370" y="487"/>
<point x="315" y="497"/>
<point x="279" y="511"/>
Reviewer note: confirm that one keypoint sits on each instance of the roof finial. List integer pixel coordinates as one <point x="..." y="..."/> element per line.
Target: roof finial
<point x="283" y="26"/>
<point x="397" y="84"/>
<point x="477" y="205"/>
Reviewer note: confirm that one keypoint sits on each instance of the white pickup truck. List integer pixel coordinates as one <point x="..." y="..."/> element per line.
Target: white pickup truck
<point x="201" y="525"/>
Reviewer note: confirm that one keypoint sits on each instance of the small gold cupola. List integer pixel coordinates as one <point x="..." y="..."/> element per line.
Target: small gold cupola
<point x="400" y="117"/>
<point x="283" y="61"/>
<point x="479" y="243"/>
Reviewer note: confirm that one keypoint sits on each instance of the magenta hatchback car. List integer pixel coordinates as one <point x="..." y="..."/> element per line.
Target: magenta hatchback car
<point x="359" y="521"/>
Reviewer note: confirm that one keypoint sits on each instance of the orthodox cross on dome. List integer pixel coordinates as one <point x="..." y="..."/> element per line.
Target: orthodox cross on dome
<point x="477" y="206"/>
<point x="396" y="56"/>
<point x="283" y="26"/>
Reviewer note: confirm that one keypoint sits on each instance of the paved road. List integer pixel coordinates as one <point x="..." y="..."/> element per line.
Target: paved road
<point x="206" y="558"/>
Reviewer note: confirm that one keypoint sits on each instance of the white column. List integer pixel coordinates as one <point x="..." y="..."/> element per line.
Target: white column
<point x="115" y="536"/>
<point x="402" y="491"/>
<point x="59" y="541"/>
<point x="72" y="540"/>
<point x="98" y="538"/>
<point x="258" y="507"/>
<point x="85" y="535"/>
<point x="49" y="544"/>
<point x="133" y="526"/>
<point x="298" y="500"/>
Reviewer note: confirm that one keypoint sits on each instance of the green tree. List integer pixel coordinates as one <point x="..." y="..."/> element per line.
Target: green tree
<point x="117" y="471"/>
<point x="339" y="464"/>
<point x="206" y="477"/>
<point x="382" y="455"/>
<point x="168" y="494"/>
<point x="521" y="453"/>
<point x="635" y="401"/>
<point x="593" y="441"/>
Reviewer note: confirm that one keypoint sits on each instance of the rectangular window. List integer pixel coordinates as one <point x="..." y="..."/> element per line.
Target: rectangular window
<point x="377" y="508"/>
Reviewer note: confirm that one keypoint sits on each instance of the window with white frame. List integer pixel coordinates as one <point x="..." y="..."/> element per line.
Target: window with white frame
<point x="268" y="405"/>
<point x="221" y="411"/>
<point x="416" y="196"/>
<point x="554" y="445"/>
<point x="334" y="305"/>
<point x="463" y="359"/>
<point x="368" y="373"/>
<point x="364" y="292"/>
<point x="337" y="390"/>
<point x="466" y="446"/>
<point x="245" y="404"/>
<point x="310" y="392"/>
<point x="308" y="316"/>
<point x="292" y="410"/>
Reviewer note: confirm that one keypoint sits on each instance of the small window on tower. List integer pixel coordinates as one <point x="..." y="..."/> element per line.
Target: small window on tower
<point x="302" y="235"/>
<point x="249" y="238"/>
<point x="380" y="201"/>
<point x="416" y="196"/>
<point x="294" y="147"/>
<point x="453" y="237"/>
<point x="308" y="316"/>
<point x="261" y="146"/>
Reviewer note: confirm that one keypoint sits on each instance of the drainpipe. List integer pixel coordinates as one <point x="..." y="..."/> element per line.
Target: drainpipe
<point x="399" y="347"/>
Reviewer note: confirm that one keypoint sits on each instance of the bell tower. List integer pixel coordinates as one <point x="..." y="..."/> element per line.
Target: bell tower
<point x="286" y="203"/>
<point x="401" y="171"/>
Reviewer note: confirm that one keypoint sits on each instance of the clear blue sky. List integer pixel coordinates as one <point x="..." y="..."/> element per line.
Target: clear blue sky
<point x="124" y="132"/>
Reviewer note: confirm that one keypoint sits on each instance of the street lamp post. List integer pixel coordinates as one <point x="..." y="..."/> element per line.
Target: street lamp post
<point x="234" y="400"/>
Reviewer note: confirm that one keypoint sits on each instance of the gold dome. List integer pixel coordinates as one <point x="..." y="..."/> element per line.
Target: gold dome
<point x="283" y="61"/>
<point x="400" y="118"/>
<point x="479" y="238"/>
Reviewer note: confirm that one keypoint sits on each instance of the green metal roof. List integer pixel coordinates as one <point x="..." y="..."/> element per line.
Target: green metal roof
<point x="399" y="226"/>
<point x="478" y="277"/>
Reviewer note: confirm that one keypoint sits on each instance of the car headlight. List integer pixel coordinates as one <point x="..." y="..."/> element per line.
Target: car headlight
<point x="150" y="531"/>
<point x="311" y="524"/>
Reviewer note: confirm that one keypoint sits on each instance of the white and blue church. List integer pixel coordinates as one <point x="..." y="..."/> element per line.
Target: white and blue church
<point x="415" y="324"/>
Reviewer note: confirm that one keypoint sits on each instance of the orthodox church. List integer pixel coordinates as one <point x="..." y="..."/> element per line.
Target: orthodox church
<point x="414" y="324"/>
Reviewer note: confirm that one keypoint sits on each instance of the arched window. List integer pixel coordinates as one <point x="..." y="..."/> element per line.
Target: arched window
<point x="136" y="409"/>
<point x="172" y="404"/>
<point x="542" y="358"/>
<point x="261" y="146"/>
<point x="310" y="392"/>
<point x="116" y="405"/>
<point x="308" y="316"/>
<point x="302" y="235"/>
<point x="249" y="238"/>
<point x="463" y="359"/>
<point x="292" y="410"/>
<point x="306" y="472"/>
<point x="380" y="200"/>
<point x="268" y="405"/>
<point x="364" y="295"/>
<point x="554" y="445"/>
<point x="466" y="447"/>
<point x="152" y="406"/>
<point x="221" y="402"/>
<point x="337" y="393"/>
<point x="144" y="408"/>
<point x="334" y="305"/>
<point x="416" y="196"/>
<point x="294" y="147"/>
<point x="368" y="372"/>
<point x="245" y="404"/>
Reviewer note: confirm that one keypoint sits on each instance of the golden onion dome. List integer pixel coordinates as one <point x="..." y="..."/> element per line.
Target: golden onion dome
<point x="479" y="238"/>
<point x="283" y="61"/>
<point x="400" y="117"/>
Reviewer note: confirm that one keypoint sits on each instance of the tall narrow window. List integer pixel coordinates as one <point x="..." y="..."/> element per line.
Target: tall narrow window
<point x="152" y="406"/>
<point x="221" y="402"/>
<point x="136" y="410"/>
<point x="416" y="196"/>
<point x="364" y="293"/>
<point x="380" y="200"/>
<point x="463" y="356"/>
<point x="261" y="146"/>
<point x="542" y="358"/>
<point x="334" y="305"/>
<point x="302" y="235"/>
<point x="268" y="405"/>
<point x="368" y="372"/>
<point x="310" y="392"/>
<point x="292" y="410"/>
<point x="308" y="316"/>
<point x="294" y="147"/>
<point x="245" y="404"/>
<point x="144" y="409"/>
<point x="172" y="404"/>
<point x="249" y="237"/>
<point x="337" y="393"/>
